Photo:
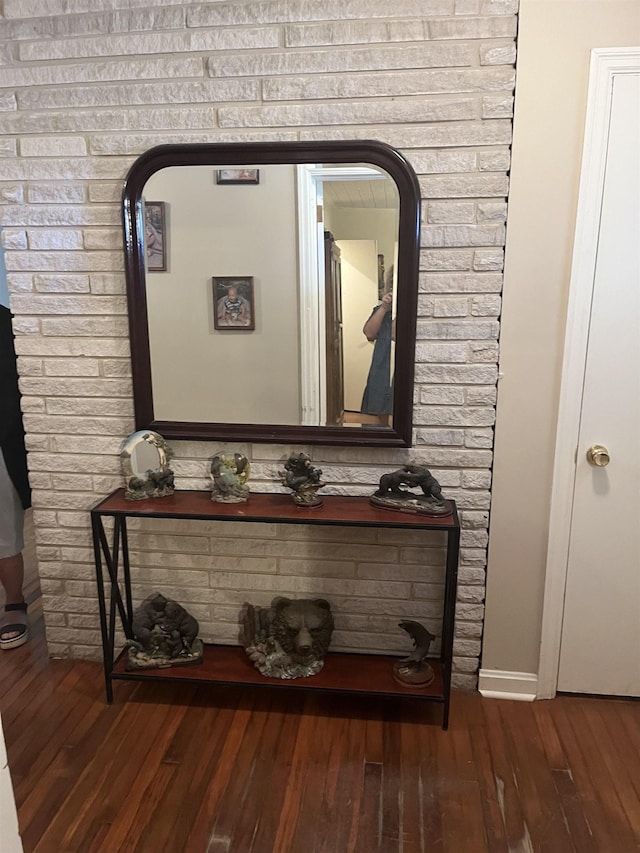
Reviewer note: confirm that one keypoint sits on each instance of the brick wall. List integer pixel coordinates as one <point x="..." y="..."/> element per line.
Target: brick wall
<point x="85" y="87"/>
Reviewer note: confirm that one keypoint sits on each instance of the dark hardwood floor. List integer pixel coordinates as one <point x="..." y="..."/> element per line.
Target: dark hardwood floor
<point x="171" y="768"/>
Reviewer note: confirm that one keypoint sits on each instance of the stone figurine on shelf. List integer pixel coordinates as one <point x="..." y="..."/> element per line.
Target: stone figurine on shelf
<point x="164" y="635"/>
<point x="289" y="639"/>
<point x="145" y="464"/>
<point x="229" y="476"/>
<point x="414" y="671"/>
<point x="391" y="495"/>
<point x="303" y="479"/>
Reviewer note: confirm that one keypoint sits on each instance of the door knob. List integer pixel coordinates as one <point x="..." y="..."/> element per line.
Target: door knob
<point x="598" y="455"/>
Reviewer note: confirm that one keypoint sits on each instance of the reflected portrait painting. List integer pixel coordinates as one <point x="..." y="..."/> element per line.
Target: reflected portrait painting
<point x="233" y="303"/>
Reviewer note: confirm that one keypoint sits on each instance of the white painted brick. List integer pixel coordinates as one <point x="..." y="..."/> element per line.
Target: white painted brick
<point x="388" y="84"/>
<point x="31" y="367"/>
<point x="439" y="213"/>
<point x="445" y="437"/>
<point x="435" y="162"/>
<point x="483" y="351"/>
<point x="475" y="519"/>
<point x="442" y="395"/>
<point x="354" y="32"/>
<point x="53" y="239"/>
<point x="429" y="55"/>
<point x="72" y="367"/>
<point x="273" y="11"/>
<point x="494" y="161"/>
<point x="52" y="146"/>
<point x="486" y="306"/>
<point x="467" y="374"/>
<point x="61" y="283"/>
<point x="32" y="404"/>
<point x="442" y="353"/>
<point x="465" y="186"/>
<point x="13" y="240"/>
<point x="459" y="416"/>
<point x="344" y="112"/>
<point x="476" y="479"/>
<point x="473" y="28"/>
<point x="498" y="54"/>
<point x="98" y="72"/>
<point x="86" y="327"/>
<point x="481" y="396"/>
<point x="456" y="283"/>
<point x="497" y="106"/>
<point x="478" y="438"/>
<point x="467" y="330"/>
<point x="56" y="194"/>
<point x="446" y="259"/>
<point x="148" y="43"/>
<point x="102" y="239"/>
<point x="492" y="212"/>
<point x="80" y="261"/>
<point x="21" y="283"/>
<point x="8" y="147"/>
<point x="488" y="259"/>
<point x="75" y="97"/>
<point x="107" y="283"/>
<point x="451" y="306"/>
<point x="11" y="194"/>
<point x="59" y="214"/>
<point x="8" y="102"/>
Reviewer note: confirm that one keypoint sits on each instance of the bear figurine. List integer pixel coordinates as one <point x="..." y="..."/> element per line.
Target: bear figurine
<point x="289" y="639"/>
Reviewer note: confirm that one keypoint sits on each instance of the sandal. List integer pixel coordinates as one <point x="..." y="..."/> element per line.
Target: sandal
<point x="20" y="629"/>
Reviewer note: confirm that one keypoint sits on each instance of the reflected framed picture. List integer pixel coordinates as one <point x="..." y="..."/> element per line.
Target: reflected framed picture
<point x="237" y="176"/>
<point x="155" y="236"/>
<point x="233" y="303"/>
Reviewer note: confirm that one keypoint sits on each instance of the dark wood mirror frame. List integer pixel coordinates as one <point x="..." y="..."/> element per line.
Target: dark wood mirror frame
<point x="258" y="154"/>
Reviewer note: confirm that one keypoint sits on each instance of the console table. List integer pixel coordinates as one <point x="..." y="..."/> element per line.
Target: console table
<point x="229" y="665"/>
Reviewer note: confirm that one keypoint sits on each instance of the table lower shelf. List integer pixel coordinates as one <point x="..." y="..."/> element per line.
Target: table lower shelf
<point x="342" y="673"/>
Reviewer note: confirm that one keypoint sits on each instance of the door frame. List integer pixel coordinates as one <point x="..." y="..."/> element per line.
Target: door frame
<point x="606" y="63"/>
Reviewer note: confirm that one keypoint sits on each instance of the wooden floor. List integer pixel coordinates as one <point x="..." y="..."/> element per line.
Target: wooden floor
<point x="172" y="768"/>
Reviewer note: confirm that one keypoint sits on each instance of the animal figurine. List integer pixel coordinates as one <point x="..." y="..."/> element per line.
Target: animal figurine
<point x="289" y="639"/>
<point x="391" y="495"/>
<point x="164" y="634"/>
<point x="413" y="670"/>
<point x="229" y="478"/>
<point x="303" y="479"/>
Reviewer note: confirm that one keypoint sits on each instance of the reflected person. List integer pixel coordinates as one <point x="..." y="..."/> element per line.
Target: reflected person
<point x="379" y="329"/>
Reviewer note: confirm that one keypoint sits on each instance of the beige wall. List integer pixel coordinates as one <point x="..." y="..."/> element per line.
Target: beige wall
<point x="555" y="40"/>
<point x="225" y="230"/>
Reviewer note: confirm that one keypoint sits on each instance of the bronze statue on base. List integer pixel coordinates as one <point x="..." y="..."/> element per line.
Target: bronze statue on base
<point x="300" y="476"/>
<point x="414" y="671"/>
<point x="229" y="477"/>
<point x="390" y="495"/>
<point x="164" y="635"/>
<point x="289" y="639"/>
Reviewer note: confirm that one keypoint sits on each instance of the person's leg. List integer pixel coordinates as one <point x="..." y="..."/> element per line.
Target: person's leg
<point x="11" y="563"/>
<point x="12" y="577"/>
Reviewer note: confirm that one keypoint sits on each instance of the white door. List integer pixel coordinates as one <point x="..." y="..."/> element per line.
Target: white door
<point x="600" y="645"/>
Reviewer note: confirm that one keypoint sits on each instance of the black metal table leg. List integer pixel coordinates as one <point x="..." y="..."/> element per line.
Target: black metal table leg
<point x="97" y="531"/>
<point x="448" y="625"/>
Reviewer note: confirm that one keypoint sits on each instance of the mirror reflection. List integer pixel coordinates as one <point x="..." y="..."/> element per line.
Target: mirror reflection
<point x="271" y="293"/>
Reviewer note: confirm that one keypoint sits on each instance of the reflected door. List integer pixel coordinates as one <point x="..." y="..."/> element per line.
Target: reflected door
<point x="333" y="325"/>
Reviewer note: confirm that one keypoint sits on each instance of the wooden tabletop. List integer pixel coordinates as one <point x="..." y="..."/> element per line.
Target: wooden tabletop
<point x="336" y="510"/>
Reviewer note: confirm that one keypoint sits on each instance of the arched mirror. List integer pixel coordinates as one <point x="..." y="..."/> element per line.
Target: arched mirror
<point x="272" y="291"/>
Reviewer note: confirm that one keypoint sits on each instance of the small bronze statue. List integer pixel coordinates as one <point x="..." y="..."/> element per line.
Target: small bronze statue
<point x="300" y="476"/>
<point x="229" y="479"/>
<point x="390" y="495"/>
<point x="289" y="639"/>
<point x="164" y="634"/>
<point x="414" y="671"/>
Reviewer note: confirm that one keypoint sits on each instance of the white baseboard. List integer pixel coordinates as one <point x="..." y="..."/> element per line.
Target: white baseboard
<point x="498" y="684"/>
